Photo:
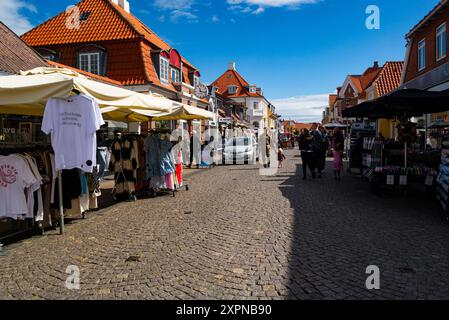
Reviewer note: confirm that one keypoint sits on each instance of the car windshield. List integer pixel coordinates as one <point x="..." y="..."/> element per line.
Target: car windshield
<point x="242" y="141"/>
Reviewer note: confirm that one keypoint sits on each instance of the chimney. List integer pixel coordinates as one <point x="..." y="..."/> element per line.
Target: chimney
<point x="122" y="3"/>
<point x="231" y="65"/>
<point x="376" y="64"/>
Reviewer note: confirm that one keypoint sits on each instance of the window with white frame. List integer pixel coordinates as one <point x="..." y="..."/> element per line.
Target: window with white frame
<point x="196" y="81"/>
<point x="90" y="62"/>
<point x="256" y="105"/>
<point x="422" y="55"/>
<point x="252" y="89"/>
<point x="175" y="75"/>
<point x="441" y="41"/>
<point x="163" y="72"/>
<point x="232" y="89"/>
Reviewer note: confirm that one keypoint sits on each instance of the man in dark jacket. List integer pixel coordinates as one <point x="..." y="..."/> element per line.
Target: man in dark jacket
<point x="318" y="148"/>
<point x="305" y="144"/>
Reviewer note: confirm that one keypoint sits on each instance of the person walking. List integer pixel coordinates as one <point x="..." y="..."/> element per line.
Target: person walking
<point x="318" y="147"/>
<point x="281" y="158"/>
<point x="338" y="142"/>
<point x="306" y="148"/>
<point x="322" y="157"/>
<point x="267" y="161"/>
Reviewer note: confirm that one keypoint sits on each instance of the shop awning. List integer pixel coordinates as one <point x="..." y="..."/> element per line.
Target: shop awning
<point x="27" y="94"/>
<point x="186" y="112"/>
<point x="177" y="112"/>
<point x="335" y="125"/>
<point x="401" y="103"/>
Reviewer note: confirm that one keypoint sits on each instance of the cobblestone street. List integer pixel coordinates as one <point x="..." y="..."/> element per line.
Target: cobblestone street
<point x="239" y="235"/>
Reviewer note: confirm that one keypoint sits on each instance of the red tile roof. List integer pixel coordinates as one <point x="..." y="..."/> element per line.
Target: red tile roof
<point x="232" y="77"/>
<point x="16" y="55"/>
<point x="103" y="24"/>
<point x="357" y="83"/>
<point x="87" y="74"/>
<point x="107" y="22"/>
<point x="368" y="77"/>
<point x="389" y="77"/>
<point x="363" y="81"/>
<point x="300" y="126"/>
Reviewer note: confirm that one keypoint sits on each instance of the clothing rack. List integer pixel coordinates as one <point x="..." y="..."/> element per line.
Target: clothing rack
<point x="7" y="149"/>
<point x="61" y="205"/>
<point x="131" y="195"/>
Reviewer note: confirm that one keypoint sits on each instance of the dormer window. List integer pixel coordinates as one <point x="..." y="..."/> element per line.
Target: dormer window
<point x="175" y="75"/>
<point x="252" y="89"/>
<point x="84" y="16"/>
<point x="92" y="58"/>
<point x="163" y="71"/>
<point x="196" y="81"/>
<point x="90" y="62"/>
<point x="232" y="89"/>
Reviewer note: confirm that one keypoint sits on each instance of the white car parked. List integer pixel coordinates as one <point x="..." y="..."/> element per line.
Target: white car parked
<point x="240" y="150"/>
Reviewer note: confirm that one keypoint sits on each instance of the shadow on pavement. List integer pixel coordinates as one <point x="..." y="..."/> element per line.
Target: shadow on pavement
<point x="341" y="228"/>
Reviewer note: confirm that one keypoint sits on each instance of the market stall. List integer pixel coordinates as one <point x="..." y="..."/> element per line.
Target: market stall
<point x="398" y="164"/>
<point x="67" y="99"/>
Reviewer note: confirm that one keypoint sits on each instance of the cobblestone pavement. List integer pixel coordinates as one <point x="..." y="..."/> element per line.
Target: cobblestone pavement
<point x="239" y="235"/>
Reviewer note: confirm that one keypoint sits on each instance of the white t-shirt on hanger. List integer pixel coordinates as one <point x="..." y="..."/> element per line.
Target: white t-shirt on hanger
<point x="73" y="123"/>
<point x="15" y="177"/>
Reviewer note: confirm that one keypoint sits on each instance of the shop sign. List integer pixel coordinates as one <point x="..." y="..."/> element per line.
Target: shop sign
<point x="390" y="180"/>
<point x="402" y="180"/>
<point x="225" y="120"/>
<point x="429" y="180"/>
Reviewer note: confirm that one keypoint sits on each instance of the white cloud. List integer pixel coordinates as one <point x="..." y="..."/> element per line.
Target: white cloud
<point x="215" y="19"/>
<point x="258" y="10"/>
<point x="245" y="6"/>
<point x="303" y="108"/>
<point x="174" y="4"/>
<point x="279" y="3"/>
<point x="11" y="14"/>
<point x="177" y="15"/>
<point x="179" y="10"/>
<point x="232" y="8"/>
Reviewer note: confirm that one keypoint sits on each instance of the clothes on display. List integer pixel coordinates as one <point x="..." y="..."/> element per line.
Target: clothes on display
<point x="124" y="163"/>
<point x="80" y="191"/>
<point x="73" y="123"/>
<point x="142" y="163"/>
<point x="18" y="182"/>
<point x="163" y="162"/>
<point x="16" y="170"/>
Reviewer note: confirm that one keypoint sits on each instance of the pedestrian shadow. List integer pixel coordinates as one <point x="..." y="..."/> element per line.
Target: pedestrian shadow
<point x="340" y="228"/>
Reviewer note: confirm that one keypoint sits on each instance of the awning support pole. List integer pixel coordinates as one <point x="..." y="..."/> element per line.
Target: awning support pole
<point x="61" y="204"/>
<point x="405" y="154"/>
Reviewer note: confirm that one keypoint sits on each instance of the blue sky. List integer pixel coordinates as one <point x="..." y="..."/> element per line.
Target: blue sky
<point x="298" y="51"/>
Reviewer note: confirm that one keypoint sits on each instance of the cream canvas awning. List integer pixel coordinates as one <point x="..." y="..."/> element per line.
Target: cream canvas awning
<point x="27" y="94"/>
